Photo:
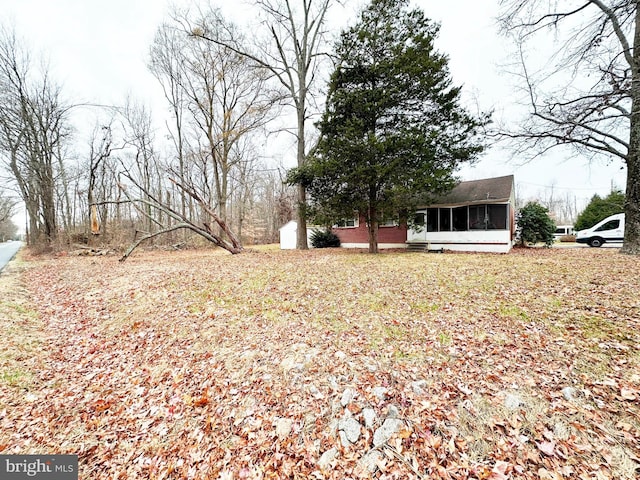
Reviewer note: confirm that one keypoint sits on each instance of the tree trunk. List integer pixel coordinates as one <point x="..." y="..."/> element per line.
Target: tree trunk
<point x="301" y="211"/>
<point x="372" y="226"/>
<point x="632" y="200"/>
<point x="301" y="219"/>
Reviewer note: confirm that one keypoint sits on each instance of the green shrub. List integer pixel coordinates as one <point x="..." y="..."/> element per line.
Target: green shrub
<point x="324" y="239"/>
<point x="535" y="225"/>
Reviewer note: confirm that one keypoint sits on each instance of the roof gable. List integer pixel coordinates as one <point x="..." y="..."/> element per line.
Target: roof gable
<point x="487" y="190"/>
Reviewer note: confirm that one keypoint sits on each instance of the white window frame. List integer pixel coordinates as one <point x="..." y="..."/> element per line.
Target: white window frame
<point x="388" y="222"/>
<point x="346" y="221"/>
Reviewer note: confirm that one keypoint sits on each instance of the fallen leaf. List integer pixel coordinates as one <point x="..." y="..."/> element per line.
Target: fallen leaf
<point x="629" y="394"/>
<point x="500" y="471"/>
<point x="548" y="448"/>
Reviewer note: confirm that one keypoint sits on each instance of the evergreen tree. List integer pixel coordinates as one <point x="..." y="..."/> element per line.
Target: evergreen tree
<point x="535" y="225"/>
<point x="600" y="208"/>
<point x="393" y="131"/>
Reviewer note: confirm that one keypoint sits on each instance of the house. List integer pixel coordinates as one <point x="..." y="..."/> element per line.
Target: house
<point x="476" y="216"/>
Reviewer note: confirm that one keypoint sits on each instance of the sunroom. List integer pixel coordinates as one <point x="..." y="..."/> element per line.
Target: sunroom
<point x="476" y="215"/>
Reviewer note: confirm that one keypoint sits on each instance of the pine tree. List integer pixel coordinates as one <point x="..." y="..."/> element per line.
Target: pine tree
<point x="600" y="208"/>
<point x="393" y="131"/>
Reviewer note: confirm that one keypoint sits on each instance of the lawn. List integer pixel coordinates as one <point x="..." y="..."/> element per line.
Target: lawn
<point x="325" y="364"/>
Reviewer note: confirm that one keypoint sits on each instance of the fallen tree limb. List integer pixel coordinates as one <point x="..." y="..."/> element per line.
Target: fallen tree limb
<point x="231" y="243"/>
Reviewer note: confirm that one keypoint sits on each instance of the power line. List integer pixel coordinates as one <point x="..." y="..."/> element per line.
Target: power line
<point x="566" y="188"/>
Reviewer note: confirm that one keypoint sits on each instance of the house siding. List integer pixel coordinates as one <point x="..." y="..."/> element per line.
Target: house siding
<point x="358" y="237"/>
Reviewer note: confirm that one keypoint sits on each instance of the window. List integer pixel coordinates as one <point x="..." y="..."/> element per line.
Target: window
<point x="445" y="219"/>
<point x="432" y="219"/>
<point x="460" y="219"/>
<point x="386" y="220"/>
<point x="477" y="217"/>
<point x="496" y="217"/>
<point x="347" y="222"/>
<point x="488" y="217"/>
<point x="564" y="230"/>
<point x="610" y="225"/>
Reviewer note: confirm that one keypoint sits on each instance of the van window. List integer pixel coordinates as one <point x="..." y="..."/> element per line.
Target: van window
<point x="610" y="225"/>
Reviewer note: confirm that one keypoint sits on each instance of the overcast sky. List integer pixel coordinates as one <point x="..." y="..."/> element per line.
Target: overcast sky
<point x="98" y="51"/>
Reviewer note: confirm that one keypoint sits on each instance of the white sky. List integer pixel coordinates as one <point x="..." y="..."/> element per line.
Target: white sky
<point x="98" y="51"/>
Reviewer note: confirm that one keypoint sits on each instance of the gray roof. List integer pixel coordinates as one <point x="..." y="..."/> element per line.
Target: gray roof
<point x="487" y="190"/>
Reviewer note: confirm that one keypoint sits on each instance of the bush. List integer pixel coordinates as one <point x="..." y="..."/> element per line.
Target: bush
<point x="324" y="239"/>
<point x="535" y="225"/>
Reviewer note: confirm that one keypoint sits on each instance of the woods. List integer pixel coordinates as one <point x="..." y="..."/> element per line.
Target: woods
<point x="34" y="136"/>
<point x="125" y="185"/>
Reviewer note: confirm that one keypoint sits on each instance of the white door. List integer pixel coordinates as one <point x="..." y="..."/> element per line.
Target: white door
<point x="418" y="232"/>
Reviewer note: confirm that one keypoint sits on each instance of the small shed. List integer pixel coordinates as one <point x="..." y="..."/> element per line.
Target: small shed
<point x="289" y="235"/>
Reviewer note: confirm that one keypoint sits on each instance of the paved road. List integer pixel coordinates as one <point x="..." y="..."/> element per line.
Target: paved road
<point x="7" y="251"/>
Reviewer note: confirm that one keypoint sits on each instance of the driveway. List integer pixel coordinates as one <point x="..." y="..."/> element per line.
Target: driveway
<point x="7" y="251"/>
<point x="583" y="245"/>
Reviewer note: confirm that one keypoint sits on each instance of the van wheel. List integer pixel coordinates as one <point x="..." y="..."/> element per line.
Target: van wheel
<point x="596" y="242"/>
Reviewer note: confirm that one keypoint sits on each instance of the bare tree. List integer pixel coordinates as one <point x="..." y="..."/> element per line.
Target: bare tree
<point x="220" y="95"/>
<point x="101" y="178"/>
<point x="292" y="57"/>
<point x="139" y="137"/>
<point x="7" y="210"/>
<point x="33" y="131"/>
<point x="588" y="95"/>
<point x="166" y="64"/>
<point x="228" y="100"/>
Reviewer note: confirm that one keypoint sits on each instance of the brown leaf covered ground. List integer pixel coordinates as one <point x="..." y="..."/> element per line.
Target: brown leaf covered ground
<point x="207" y="365"/>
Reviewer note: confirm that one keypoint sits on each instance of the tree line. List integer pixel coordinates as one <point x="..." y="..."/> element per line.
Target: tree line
<point x="392" y="134"/>
<point x="123" y="185"/>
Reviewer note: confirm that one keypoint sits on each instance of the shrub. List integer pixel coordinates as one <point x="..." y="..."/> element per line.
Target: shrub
<point x="324" y="239"/>
<point x="535" y="225"/>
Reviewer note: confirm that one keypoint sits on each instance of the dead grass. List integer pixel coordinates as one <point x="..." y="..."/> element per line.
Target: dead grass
<point x="165" y="365"/>
<point x="23" y="333"/>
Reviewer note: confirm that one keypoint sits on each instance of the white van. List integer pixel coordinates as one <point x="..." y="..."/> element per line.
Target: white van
<point x="563" y="231"/>
<point x="609" y="230"/>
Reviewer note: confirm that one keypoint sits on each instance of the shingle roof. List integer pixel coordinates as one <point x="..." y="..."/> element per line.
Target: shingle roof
<point x="487" y="190"/>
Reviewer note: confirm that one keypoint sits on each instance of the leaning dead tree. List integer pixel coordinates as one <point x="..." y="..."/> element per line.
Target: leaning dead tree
<point x="216" y="231"/>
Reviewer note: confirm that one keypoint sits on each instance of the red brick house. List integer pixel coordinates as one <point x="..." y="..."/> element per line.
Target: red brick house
<point x="476" y="216"/>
